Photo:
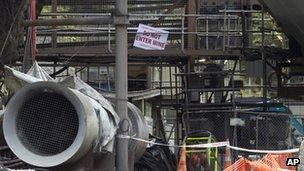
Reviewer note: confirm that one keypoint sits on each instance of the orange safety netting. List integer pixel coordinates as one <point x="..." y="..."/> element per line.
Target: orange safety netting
<point x="267" y="163"/>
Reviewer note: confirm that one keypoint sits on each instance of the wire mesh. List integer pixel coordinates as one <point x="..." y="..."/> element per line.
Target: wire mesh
<point x="47" y="124"/>
<point x="251" y="130"/>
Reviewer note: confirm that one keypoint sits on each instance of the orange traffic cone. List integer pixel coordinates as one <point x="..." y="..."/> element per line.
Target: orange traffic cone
<point x="227" y="158"/>
<point x="182" y="161"/>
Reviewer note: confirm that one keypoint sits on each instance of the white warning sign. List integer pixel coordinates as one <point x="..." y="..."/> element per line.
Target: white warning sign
<point x="150" y="38"/>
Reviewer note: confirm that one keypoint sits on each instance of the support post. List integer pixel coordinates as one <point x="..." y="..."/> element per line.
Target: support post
<point x="191" y="9"/>
<point x="33" y="29"/>
<point x="27" y="57"/>
<point x="54" y="34"/>
<point x="121" y="83"/>
<point x="264" y="59"/>
<point x="28" y="49"/>
<point x="192" y="40"/>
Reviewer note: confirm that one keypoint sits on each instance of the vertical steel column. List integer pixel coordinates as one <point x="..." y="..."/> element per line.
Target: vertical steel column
<point x="192" y="28"/>
<point x="162" y="132"/>
<point x="108" y="79"/>
<point x="27" y="57"/>
<point x="264" y="59"/>
<point x="224" y="29"/>
<point x="187" y="97"/>
<point x="176" y="109"/>
<point x="109" y="38"/>
<point x="171" y="85"/>
<point x="245" y="36"/>
<point x="121" y="82"/>
<point x="207" y="33"/>
<point x="54" y="34"/>
<point x="191" y="9"/>
<point x="264" y="62"/>
<point x="33" y="29"/>
<point x="183" y="31"/>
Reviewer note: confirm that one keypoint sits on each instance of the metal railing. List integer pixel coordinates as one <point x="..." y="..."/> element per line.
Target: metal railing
<point x="219" y="31"/>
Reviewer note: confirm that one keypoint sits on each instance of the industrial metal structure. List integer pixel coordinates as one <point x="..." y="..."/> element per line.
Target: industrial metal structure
<point x="230" y="67"/>
<point x="49" y="125"/>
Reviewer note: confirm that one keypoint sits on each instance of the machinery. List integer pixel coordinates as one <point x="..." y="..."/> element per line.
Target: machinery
<point x="246" y="122"/>
<point x="205" y="158"/>
<point x="52" y="126"/>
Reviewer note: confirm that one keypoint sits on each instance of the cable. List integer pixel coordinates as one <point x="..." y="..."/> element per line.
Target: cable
<point x="77" y="51"/>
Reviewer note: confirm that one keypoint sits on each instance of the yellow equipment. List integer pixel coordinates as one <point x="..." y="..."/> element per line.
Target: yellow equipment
<point x="204" y="158"/>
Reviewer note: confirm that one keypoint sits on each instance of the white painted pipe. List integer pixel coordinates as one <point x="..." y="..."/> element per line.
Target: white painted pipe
<point x="46" y="124"/>
<point x="44" y="115"/>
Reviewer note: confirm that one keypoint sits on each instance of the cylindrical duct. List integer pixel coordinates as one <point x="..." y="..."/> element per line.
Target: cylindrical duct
<point x="46" y="124"/>
<point x="139" y="129"/>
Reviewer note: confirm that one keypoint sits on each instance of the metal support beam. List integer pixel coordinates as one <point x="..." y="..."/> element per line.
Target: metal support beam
<point x="71" y="21"/>
<point x="192" y="9"/>
<point x="170" y="51"/>
<point x="121" y="83"/>
<point x="264" y="59"/>
<point x="54" y="34"/>
<point x="33" y="29"/>
<point x="27" y="60"/>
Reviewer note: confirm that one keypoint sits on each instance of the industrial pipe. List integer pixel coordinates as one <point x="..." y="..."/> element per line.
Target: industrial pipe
<point x="139" y="129"/>
<point x="71" y="21"/>
<point x="47" y="124"/>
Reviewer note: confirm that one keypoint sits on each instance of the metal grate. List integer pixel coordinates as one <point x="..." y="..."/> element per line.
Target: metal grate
<point x="47" y="124"/>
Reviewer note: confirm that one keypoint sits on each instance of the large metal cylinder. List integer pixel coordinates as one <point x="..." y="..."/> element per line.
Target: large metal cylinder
<point x="47" y="124"/>
<point x="139" y="129"/>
